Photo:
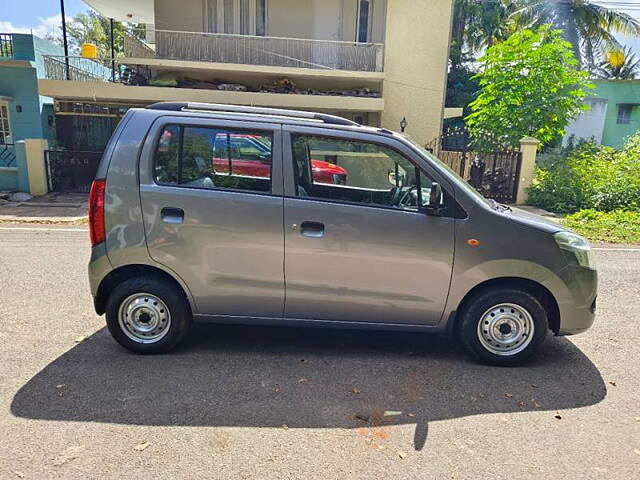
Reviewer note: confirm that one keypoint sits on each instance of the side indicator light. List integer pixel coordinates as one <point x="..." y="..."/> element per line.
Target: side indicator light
<point x="473" y="242"/>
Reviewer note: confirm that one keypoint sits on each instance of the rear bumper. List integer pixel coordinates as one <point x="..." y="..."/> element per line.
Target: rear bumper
<point x="99" y="268"/>
<point x="576" y="294"/>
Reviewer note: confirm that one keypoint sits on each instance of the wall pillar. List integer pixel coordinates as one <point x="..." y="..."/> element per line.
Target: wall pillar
<point x="36" y="167"/>
<point x="529" y="149"/>
<point x="21" y="166"/>
<point x="416" y="55"/>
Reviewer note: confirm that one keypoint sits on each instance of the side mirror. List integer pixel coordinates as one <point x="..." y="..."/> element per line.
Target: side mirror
<point x="435" y="205"/>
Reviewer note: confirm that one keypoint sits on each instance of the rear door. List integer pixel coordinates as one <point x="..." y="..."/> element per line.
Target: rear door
<point x="363" y="251"/>
<point x="217" y="227"/>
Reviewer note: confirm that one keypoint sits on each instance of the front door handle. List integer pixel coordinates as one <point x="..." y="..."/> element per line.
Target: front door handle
<point x="172" y="215"/>
<point x="312" y="229"/>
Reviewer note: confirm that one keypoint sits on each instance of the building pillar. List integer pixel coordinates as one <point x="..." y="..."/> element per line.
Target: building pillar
<point x="32" y="174"/>
<point x="416" y="56"/>
<point x="529" y="150"/>
<point x="21" y="166"/>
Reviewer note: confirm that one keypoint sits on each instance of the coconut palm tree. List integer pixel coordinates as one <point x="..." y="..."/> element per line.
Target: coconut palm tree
<point x="478" y="24"/>
<point x="589" y="27"/>
<point x="619" y="64"/>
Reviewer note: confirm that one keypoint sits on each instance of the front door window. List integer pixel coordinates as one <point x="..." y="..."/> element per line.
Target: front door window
<point x="357" y="172"/>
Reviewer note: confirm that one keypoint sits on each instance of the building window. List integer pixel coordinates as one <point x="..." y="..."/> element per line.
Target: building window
<point x="212" y="16"/>
<point x="5" y="129"/>
<point x="245" y="18"/>
<point x="237" y="17"/>
<point x="364" y="14"/>
<point x="228" y="16"/>
<point x="261" y="17"/>
<point x="624" y="114"/>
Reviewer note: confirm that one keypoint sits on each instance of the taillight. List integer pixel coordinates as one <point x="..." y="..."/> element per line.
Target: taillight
<point x="96" y="212"/>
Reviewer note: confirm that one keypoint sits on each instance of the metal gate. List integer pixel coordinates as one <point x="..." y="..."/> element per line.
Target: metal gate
<point x="71" y="171"/>
<point x="494" y="174"/>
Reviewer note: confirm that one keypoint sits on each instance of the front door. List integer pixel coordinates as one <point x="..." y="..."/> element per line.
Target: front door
<point x="212" y="203"/>
<point x="362" y="249"/>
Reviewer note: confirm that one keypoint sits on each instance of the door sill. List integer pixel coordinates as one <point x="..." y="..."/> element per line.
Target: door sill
<point x="307" y="322"/>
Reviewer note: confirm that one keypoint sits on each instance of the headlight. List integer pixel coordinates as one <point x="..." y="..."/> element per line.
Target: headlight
<point x="575" y="244"/>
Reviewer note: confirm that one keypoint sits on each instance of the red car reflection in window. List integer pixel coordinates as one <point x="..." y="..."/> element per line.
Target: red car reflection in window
<point x="250" y="155"/>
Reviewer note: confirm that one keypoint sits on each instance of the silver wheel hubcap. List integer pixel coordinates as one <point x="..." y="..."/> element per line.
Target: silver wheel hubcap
<point x="144" y="318"/>
<point x="505" y="329"/>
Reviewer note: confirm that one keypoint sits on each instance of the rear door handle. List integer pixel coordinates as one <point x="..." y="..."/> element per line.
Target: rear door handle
<point x="312" y="229"/>
<point x="172" y="215"/>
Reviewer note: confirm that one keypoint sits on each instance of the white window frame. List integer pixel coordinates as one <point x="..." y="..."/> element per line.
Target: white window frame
<point x="220" y="10"/>
<point x="6" y="136"/>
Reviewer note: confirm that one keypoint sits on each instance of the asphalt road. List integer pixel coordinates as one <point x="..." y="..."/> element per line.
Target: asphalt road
<point x="243" y="402"/>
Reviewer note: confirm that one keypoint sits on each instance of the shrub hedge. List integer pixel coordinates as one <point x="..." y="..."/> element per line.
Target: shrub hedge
<point x="590" y="177"/>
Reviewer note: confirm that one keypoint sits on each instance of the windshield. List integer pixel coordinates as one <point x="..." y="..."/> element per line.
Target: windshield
<point x="455" y="174"/>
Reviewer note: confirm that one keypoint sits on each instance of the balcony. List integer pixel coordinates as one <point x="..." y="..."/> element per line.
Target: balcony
<point x="257" y="50"/>
<point x="134" y="81"/>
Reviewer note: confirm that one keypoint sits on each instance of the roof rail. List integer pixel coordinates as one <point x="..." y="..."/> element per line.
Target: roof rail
<point x="219" y="107"/>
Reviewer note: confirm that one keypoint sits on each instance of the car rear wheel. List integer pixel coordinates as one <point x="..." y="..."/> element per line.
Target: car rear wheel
<point x="147" y="315"/>
<point x="503" y="326"/>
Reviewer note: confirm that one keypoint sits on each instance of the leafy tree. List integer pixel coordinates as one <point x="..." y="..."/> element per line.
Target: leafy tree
<point x="478" y="24"/>
<point x="619" y="64"/>
<point x="529" y="86"/>
<point x="462" y="88"/>
<point x="90" y="27"/>
<point x="589" y="27"/>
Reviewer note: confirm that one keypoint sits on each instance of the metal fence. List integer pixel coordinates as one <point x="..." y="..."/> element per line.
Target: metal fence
<point x="494" y="174"/>
<point x="71" y="171"/>
<point x="80" y="69"/>
<point x="6" y="45"/>
<point x="258" y="50"/>
<point x="7" y="155"/>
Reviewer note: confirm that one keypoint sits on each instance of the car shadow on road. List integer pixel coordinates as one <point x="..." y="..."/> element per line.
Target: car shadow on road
<point x="302" y="378"/>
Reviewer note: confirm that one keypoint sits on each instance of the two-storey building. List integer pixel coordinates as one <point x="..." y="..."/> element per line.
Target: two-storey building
<point x="375" y="61"/>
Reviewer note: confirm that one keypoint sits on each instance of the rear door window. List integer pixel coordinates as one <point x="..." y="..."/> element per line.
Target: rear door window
<point x="215" y="158"/>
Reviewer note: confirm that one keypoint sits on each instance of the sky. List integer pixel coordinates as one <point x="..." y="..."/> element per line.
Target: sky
<point x="38" y="16"/>
<point x="42" y="16"/>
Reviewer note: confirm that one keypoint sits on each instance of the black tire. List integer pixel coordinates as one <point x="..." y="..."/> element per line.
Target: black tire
<point x="167" y="292"/>
<point x="472" y="314"/>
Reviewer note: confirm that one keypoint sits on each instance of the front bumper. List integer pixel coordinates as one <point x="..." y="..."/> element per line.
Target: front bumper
<point x="575" y="290"/>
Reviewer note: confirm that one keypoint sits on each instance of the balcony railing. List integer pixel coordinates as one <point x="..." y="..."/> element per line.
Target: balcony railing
<point x="6" y="45"/>
<point x="130" y="72"/>
<point x="80" y="69"/>
<point x="255" y="50"/>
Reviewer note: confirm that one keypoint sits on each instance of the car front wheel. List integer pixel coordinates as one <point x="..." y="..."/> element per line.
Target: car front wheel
<point x="503" y="326"/>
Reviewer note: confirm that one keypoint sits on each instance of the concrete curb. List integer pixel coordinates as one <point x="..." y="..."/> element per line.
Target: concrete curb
<point x="45" y="220"/>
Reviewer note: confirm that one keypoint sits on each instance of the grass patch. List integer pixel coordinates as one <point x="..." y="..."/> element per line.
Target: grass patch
<point x="616" y="227"/>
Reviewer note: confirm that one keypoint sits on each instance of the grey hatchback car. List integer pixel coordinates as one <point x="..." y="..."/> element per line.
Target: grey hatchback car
<point x="232" y="214"/>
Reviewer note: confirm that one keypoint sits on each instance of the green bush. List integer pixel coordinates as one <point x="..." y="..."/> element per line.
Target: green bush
<point x="617" y="226"/>
<point x="590" y="177"/>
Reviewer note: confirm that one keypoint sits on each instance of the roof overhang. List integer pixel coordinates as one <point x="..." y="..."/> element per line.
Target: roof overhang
<point x="136" y="11"/>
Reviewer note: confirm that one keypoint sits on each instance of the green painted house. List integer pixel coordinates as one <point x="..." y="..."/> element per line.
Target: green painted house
<point x="24" y="113"/>
<point x="614" y="113"/>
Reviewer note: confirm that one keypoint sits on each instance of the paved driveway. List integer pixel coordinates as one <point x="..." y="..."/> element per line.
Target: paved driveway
<point x="241" y="402"/>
